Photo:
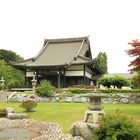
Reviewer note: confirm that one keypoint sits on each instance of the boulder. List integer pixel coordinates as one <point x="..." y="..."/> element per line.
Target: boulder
<point x="10" y="110"/>
<point x="16" y="116"/>
<point x="80" y="99"/>
<point x="124" y="100"/>
<point x="69" y="99"/>
<point x="83" y="129"/>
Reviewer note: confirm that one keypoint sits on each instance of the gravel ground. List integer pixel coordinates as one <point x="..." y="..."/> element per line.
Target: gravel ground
<point x="28" y="129"/>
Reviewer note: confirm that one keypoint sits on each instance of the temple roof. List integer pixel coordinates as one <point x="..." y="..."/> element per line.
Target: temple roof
<point x="60" y="52"/>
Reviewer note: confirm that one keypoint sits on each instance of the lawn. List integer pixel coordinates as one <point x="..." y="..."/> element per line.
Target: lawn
<point x="67" y="113"/>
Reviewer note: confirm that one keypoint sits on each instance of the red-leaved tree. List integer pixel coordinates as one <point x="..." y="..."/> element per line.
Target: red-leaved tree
<point x="135" y="52"/>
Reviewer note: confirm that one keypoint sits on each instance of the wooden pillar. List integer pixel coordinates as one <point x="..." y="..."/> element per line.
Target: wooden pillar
<point x="64" y="79"/>
<point x="84" y="76"/>
<point x="27" y="82"/>
<point x="58" y="79"/>
<point x="37" y="77"/>
<point x="25" y="78"/>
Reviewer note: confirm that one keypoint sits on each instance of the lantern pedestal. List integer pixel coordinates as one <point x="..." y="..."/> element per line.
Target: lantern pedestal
<point x="94" y="107"/>
<point x="34" y="81"/>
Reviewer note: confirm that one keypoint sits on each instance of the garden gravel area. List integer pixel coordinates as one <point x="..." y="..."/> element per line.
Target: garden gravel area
<point x="27" y="129"/>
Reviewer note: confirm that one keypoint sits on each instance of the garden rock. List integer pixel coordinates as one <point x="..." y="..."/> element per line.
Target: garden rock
<point x="124" y="95"/>
<point x="57" y="99"/>
<point x="124" y="100"/>
<point x="10" y="110"/>
<point x="16" y="116"/>
<point x="54" y="100"/>
<point x="83" y="129"/>
<point x="80" y="100"/>
<point x="68" y="99"/>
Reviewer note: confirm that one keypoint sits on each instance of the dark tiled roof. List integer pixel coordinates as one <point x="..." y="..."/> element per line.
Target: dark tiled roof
<point x="58" y="52"/>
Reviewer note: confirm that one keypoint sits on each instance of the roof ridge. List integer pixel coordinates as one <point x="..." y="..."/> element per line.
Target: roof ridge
<point x="67" y="39"/>
<point x="41" y="51"/>
<point x="75" y="57"/>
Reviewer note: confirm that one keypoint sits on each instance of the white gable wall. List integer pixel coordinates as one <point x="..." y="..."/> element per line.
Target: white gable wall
<point x="74" y="73"/>
<point x="79" y="67"/>
<point x="30" y="74"/>
<point x="78" y="71"/>
<point x="88" y="75"/>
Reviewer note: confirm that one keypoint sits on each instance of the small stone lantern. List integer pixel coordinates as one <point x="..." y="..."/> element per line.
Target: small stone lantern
<point x="2" y="81"/>
<point x="34" y="81"/>
<point x="94" y="106"/>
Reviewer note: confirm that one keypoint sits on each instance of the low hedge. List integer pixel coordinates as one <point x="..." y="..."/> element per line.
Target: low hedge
<point x="80" y="90"/>
<point x="108" y="90"/>
<point x="118" y="91"/>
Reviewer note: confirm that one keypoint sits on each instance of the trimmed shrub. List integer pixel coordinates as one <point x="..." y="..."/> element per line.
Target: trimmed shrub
<point x="118" y="127"/>
<point x="119" y="82"/>
<point x="3" y="112"/>
<point x="28" y="105"/>
<point x="105" y="81"/>
<point x="45" y="89"/>
<point x="80" y="90"/>
<point x="114" y="81"/>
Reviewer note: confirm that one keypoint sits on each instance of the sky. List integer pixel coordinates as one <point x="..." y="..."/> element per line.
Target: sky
<point x="110" y="25"/>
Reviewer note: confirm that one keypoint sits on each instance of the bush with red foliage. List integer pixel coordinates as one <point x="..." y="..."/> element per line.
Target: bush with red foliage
<point x="135" y="52"/>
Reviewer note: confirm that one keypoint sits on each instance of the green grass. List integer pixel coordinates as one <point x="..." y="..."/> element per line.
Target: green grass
<point x="67" y="113"/>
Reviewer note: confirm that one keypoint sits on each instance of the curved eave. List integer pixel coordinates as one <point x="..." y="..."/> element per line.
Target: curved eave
<point x="52" y="66"/>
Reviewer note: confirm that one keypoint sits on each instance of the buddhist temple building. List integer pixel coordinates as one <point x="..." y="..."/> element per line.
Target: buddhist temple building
<point x="64" y="62"/>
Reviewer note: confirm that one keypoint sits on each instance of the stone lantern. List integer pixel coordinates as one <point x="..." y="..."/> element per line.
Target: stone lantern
<point x="87" y="129"/>
<point x="2" y="81"/>
<point x="34" y="82"/>
<point x="94" y="107"/>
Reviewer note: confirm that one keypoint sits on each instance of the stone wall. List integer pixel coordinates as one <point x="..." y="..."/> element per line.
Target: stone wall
<point x="117" y="98"/>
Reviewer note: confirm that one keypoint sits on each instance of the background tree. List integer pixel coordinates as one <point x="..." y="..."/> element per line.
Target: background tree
<point x="135" y="52"/>
<point x="101" y="63"/>
<point x="11" y="75"/>
<point x="8" y="55"/>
